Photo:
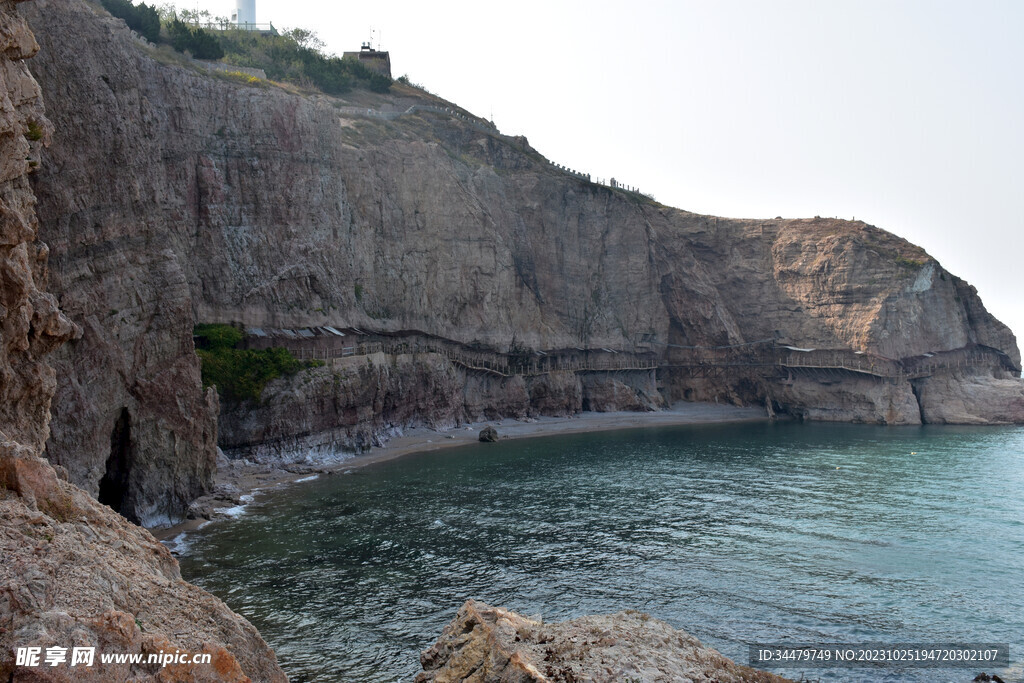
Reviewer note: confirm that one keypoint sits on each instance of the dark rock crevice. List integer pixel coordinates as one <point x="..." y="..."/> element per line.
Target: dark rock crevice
<point x="114" y="489"/>
<point x="917" y="396"/>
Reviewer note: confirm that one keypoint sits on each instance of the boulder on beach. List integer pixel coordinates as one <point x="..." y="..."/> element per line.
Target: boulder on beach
<point x="488" y="434"/>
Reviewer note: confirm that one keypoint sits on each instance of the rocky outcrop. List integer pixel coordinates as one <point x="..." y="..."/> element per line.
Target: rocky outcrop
<point x="971" y="398"/>
<point x="354" y="403"/>
<point x="249" y="203"/>
<point x="635" y="391"/>
<point x="849" y="399"/>
<point x="489" y="644"/>
<point x="345" y="407"/>
<point x="74" y="573"/>
<point x="31" y="325"/>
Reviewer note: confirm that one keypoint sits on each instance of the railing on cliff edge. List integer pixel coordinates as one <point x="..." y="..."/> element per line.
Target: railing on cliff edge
<point x="768" y="353"/>
<point x="494" y="363"/>
<point x="766" y="356"/>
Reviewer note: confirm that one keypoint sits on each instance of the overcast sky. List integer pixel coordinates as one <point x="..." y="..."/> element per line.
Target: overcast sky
<point x="908" y="115"/>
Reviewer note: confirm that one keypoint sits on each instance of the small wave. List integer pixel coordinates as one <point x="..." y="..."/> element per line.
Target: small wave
<point x="232" y="512"/>
<point x="309" y="478"/>
<point x="179" y="545"/>
<point x="237" y="510"/>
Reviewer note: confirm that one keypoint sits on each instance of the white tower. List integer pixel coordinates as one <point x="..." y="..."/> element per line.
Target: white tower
<point x="245" y="13"/>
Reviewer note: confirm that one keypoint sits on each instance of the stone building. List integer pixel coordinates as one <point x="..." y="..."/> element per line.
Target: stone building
<point x="373" y="59"/>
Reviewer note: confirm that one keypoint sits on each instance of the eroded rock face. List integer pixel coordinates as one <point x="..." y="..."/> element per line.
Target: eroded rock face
<point x="490" y="644"/>
<point x="353" y="403"/>
<point x="635" y="391"/>
<point x="251" y="204"/>
<point x="119" y="277"/>
<point x="345" y="407"/>
<point x="850" y="399"/>
<point x="963" y="398"/>
<point x="31" y="325"/>
<point x="74" y="572"/>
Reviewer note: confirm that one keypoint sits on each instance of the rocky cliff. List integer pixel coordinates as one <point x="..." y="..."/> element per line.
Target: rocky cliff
<point x="172" y="196"/>
<point x="356" y="403"/>
<point x="488" y="644"/>
<point x="77" y="574"/>
<point x="74" y="572"/>
<point x="31" y="326"/>
<point x="130" y="415"/>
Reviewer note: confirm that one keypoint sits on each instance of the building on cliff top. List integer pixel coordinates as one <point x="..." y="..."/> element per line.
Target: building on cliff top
<point x="375" y="60"/>
<point x="244" y="18"/>
<point x="244" y="15"/>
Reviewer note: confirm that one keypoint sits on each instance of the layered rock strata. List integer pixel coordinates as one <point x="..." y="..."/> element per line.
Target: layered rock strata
<point x="489" y="644"/>
<point x="73" y="573"/>
<point x="352" y="404"/>
<point x="133" y="425"/>
<point x="254" y="204"/>
<point x="970" y="398"/>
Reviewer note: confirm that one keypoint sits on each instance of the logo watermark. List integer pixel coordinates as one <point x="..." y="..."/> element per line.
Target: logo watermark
<point x="86" y="657"/>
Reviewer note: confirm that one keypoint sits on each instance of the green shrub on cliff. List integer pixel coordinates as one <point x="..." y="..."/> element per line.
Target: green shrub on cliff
<point x="35" y="132"/>
<point x="215" y="337"/>
<point x="240" y="374"/>
<point x="296" y="57"/>
<point x="200" y="43"/>
<point x="141" y="18"/>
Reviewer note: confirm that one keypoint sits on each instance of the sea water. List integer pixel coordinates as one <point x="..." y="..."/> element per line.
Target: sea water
<point x="739" y="534"/>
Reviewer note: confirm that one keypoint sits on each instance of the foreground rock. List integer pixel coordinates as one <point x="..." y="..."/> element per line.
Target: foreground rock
<point x="484" y="644"/>
<point x="75" y="573"/>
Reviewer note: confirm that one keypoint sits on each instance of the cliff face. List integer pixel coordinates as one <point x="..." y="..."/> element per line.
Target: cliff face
<point x="73" y="572"/>
<point x="30" y="323"/>
<point x="173" y="196"/>
<point x="347" y="406"/>
<point x="131" y="418"/>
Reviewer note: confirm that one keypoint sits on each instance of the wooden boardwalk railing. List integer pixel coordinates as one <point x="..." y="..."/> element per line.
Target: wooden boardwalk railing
<point x="495" y="363"/>
<point x="767" y="358"/>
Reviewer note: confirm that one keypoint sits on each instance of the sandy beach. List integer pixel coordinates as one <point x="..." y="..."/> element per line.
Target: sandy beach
<point x="239" y="482"/>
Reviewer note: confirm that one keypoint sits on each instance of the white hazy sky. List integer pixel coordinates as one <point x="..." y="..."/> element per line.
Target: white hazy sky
<point x="906" y="114"/>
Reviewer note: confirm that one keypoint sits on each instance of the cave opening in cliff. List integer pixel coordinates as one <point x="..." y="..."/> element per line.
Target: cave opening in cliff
<point x="114" y="484"/>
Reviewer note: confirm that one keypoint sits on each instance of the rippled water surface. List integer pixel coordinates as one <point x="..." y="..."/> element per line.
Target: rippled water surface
<point x="738" y="534"/>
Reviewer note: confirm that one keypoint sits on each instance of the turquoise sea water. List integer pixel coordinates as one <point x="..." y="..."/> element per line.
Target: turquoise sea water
<point x="736" y="533"/>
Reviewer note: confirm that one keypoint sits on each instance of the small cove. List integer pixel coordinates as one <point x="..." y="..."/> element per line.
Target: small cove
<point x="737" y="533"/>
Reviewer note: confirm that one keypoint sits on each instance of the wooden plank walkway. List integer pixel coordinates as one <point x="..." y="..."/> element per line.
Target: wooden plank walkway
<point x="708" y="362"/>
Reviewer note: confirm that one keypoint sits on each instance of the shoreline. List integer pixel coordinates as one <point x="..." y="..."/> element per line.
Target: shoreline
<point x="239" y="482"/>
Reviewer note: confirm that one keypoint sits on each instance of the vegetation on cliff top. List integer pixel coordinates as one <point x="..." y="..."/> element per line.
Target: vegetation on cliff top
<point x="142" y="18"/>
<point x="240" y="374"/>
<point x="296" y="56"/>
